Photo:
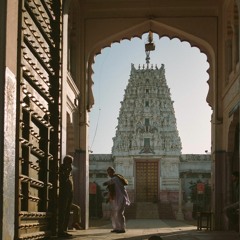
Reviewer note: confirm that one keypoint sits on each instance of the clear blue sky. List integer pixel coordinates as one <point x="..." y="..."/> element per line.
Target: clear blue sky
<point x="186" y="74"/>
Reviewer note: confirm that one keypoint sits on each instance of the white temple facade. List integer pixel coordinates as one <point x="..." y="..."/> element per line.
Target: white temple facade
<point x="147" y="147"/>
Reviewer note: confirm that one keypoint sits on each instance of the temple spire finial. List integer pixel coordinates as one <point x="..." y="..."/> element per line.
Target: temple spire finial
<point x="150" y="46"/>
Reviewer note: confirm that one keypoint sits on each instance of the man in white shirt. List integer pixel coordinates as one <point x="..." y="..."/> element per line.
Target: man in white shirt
<point x="118" y="199"/>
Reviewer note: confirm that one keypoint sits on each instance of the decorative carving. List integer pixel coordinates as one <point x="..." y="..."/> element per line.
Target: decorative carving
<point x="142" y="101"/>
<point x="39" y="115"/>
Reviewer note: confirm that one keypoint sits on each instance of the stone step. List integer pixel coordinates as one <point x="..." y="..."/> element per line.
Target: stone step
<point x="130" y="211"/>
<point x="165" y="211"/>
<point x="146" y="210"/>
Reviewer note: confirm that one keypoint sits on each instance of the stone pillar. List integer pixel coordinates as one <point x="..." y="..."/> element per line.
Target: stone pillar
<point x="9" y="169"/>
<point x="188" y="209"/>
<point x="217" y="188"/>
<point x="81" y="185"/>
<point x="180" y="213"/>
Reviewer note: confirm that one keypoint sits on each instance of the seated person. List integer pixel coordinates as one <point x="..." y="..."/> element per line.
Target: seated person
<point x="76" y="216"/>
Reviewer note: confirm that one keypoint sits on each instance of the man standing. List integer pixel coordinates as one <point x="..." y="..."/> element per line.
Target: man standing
<point x="65" y="195"/>
<point x="118" y="199"/>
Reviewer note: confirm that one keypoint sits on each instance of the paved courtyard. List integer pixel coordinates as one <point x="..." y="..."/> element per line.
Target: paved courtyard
<point x="142" y="229"/>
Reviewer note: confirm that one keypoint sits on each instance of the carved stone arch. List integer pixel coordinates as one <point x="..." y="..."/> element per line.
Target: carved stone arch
<point x="163" y="30"/>
<point x="233" y="132"/>
<point x="233" y="146"/>
<point x="232" y="163"/>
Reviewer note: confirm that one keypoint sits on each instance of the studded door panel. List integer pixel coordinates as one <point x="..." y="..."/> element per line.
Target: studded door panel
<point x="39" y="117"/>
<point x="146" y="181"/>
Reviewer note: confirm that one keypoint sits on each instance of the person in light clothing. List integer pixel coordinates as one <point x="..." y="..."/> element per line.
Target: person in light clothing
<point x="118" y="198"/>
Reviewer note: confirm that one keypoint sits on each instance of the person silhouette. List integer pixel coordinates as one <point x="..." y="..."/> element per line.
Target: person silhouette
<point x="65" y="195"/>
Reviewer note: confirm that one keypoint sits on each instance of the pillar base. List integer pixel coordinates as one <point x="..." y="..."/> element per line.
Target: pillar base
<point x="180" y="215"/>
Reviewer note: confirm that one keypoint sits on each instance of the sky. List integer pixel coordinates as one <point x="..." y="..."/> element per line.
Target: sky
<point x="186" y="75"/>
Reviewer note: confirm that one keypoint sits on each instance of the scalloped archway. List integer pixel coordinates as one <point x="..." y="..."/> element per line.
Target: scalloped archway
<point x="163" y="30"/>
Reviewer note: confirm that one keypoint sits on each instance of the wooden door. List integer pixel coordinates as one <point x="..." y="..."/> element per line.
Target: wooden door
<point x="39" y="108"/>
<point x="147" y="181"/>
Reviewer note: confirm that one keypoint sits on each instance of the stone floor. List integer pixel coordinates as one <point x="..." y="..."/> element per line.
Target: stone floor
<point x="142" y="229"/>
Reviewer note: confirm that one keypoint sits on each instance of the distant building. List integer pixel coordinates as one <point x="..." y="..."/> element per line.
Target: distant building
<point x="147" y="146"/>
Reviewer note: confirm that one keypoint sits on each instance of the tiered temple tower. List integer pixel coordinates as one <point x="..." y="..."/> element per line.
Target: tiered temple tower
<point x="147" y="147"/>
